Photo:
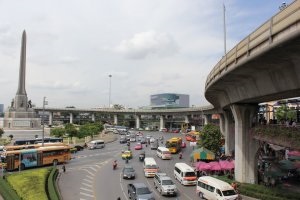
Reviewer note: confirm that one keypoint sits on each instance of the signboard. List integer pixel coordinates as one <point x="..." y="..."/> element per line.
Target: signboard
<point x="21" y="123"/>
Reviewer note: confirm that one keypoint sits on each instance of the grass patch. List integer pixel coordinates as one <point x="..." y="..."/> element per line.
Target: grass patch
<point x="30" y="184"/>
<point x="6" y="191"/>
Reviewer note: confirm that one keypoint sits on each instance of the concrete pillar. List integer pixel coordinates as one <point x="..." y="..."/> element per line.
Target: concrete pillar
<point x="115" y="119"/>
<point x="71" y="118"/>
<point x="205" y="119"/>
<point x="50" y="118"/>
<point x="186" y="119"/>
<point x="162" y="122"/>
<point x="137" y="121"/>
<point x="245" y="146"/>
<point x="93" y="117"/>
<point x="225" y="126"/>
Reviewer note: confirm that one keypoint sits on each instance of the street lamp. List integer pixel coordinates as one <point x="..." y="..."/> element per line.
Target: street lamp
<point x="43" y="122"/>
<point x="109" y="90"/>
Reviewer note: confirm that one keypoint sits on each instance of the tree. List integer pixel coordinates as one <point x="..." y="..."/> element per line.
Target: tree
<point x="212" y="138"/>
<point x="118" y="107"/>
<point x="1" y="132"/>
<point x="11" y="136"/>
<point x="58" y="132"/>
<point x="71" y="130"/>
<point x="285" y="113"/>
<point x="90" y="129"/>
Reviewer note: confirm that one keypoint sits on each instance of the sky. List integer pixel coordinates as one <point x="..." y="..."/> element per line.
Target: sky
<point x="148" y="46"/>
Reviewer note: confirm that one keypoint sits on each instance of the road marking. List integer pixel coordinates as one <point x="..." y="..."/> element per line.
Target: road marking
<point x="88" y="180"/>
<point x="87" y="189"/>
<point x="89" y="177"/>
<point x="122" y="187"/>
<point x="85" y="194"/>
<point x="88" y="185"/>
<point x="88" y="172"/>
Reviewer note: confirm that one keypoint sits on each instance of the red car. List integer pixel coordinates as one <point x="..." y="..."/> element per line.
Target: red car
<point x="183" y="145"/>
<point x="138" y="146"/>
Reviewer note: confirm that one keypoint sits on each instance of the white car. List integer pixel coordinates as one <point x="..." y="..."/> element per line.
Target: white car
<point x="152" y="140"/>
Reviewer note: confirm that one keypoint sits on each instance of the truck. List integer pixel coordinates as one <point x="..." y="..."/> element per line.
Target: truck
<point x="139" y="191"/>
<point x="164" y="184"/>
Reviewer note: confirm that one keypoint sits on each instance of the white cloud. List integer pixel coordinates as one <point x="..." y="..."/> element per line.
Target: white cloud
<point x="149" y="43"/>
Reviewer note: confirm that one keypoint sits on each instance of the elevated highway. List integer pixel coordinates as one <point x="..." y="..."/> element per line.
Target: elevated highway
<point x="264" y="66"/>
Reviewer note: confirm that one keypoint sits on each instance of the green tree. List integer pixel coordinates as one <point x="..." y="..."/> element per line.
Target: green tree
<point x="90" y="129"/>
<point x="58" y="132"/>
<point x="285" y="113"/>
<point x="212" y="137"/>
<point x="1" y="132"/>
<point x="11" y="136"/>
<point x="71" y="130"/>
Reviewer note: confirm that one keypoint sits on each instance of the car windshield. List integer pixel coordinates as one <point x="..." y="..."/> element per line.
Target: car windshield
<point x="228" y="192"/>
<point x="144" y="190"/>
<point x="189" y="174"/>
<point x="129" y="169"/>
<point x="167" y="182"/>
<point x="151" y="166"/>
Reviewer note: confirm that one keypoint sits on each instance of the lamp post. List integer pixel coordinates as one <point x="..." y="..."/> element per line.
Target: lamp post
<point x="109" y="90"/>
<point x="43" y="121"/>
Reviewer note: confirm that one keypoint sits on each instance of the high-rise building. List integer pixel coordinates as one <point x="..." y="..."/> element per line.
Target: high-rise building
<point x="169" y="100"/>
<point x="1" y="109"/>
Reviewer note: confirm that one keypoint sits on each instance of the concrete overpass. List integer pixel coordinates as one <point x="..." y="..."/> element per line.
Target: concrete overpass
<point x="264" y="66"/>
<point x="186" y="112"/>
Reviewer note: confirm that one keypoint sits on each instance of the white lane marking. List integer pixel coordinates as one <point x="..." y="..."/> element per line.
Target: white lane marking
<point x="87" y="180"/>
<point x="89" y="177"/>
<point x="155" y="190"/>
<point x="82" y="199"/>
<point x="122" y="187"/>
<point x="86" y="189"/>
<point x="88" y="172"/>
<point x="85" y="194"/>
<point x="89" y="167"/>
<point x="88" y="185"/>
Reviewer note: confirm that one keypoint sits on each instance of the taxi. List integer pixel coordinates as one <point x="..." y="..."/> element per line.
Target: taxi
<point x="126" y="154"/>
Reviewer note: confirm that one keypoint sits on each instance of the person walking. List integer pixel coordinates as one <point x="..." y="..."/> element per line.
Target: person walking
<point x="64" y="168"/>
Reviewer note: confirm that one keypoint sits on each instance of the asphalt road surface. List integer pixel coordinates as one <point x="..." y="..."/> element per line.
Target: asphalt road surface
<point x="89" y="176"/>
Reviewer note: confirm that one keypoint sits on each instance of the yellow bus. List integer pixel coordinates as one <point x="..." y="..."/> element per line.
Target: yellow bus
<point x="36" y="157"/>
<point x="174" y="144"/>
<point x="31" y="146"/>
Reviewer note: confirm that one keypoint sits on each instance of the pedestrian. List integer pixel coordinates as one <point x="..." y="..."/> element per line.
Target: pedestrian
<point x="64" y="168"/>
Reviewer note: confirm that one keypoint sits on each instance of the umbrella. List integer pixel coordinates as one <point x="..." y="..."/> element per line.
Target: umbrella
<point x="202" y="166"/>
<point x="294" y="153"/>
<point x="215" y="166"/>
<point x="226" y="165"/>
<point x="202" y="154"/>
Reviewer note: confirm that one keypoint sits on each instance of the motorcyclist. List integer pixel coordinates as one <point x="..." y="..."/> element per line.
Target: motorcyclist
<point x="115" y="164"/>
<point x="180" y="155"/>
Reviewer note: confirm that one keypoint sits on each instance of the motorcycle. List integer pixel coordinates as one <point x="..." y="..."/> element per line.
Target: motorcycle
<point x="142" y="156"/>
<point x="180" y="155"/>
<point x="115" y="165"/>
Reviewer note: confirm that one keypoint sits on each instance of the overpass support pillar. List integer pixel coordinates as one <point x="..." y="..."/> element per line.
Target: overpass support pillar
<point x="226" y="122"/>
<point x="115" y="119"/>
<point x="137" y="121"/>
<point x="50" y="118"/>
<point x="207" y="119"/>
<point x="186" y="119"/>
<point x="71" y="118"/>
<point x="245" y="146"/>
<point x="161" y="122"/>
<point x="93" y="117"/>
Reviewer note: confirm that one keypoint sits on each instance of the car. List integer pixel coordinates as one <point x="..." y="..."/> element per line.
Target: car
<point x="183" y="145"/>
<point x="138" y="146"/>
<point x="164" y="184"/>
<point x="139" y="133"/>
<point x="126" y="155"/>
<point x="142" y="140"/>
<point x="154" y="146"/>
<point x="137" y="191"/>
<point x="128" y="172"/>
<point x="79" y="147"/>
<point x="152" y="139"/>
<point x="123" y="140"/>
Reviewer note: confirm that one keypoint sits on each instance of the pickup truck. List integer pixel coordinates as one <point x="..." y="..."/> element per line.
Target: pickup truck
<point x="164" y="184"/>
<point x="139" y="191"/>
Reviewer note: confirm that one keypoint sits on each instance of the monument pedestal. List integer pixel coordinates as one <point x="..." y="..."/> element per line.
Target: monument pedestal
<point x="22" y="119"/>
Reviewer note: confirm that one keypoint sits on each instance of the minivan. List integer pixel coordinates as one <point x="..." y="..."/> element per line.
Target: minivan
<point x="96" y="144"/>
<point x="163" y="153"/>
<point x="185" y="174"/>
<point x="211" y="188"/>
<point x="150" y="167"/>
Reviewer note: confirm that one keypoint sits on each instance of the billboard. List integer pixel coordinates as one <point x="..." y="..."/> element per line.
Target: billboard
<point x="169" y="100"/>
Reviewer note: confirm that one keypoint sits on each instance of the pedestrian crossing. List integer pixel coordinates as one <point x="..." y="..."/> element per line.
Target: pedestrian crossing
<point x="95" y="154"/>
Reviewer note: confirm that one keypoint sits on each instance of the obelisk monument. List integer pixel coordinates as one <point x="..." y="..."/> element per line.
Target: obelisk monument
<point x="20" y="115"/>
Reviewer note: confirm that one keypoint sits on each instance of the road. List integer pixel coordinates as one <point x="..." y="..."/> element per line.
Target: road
<point x="89" y="175"/>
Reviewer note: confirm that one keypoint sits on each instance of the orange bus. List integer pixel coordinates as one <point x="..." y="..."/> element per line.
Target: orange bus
<point x="174" y="144"/>
<point x="31" y="146"/>
<point x="36" y="157"/>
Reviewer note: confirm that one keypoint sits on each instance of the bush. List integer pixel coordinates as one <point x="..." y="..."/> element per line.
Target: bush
<point x="51" y="185"/>
<point x="6" y="191"/>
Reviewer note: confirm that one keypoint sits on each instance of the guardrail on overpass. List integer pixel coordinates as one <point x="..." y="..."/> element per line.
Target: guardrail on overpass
<point x="260" y="39"/>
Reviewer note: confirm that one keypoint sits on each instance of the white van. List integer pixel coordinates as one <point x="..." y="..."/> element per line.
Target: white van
<point x="150" y="167"/>
<point x="185" y="174"/>
<point x="211" y="188"/>
<point x="96" y="144"/>
<point x="163" y="153"/>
